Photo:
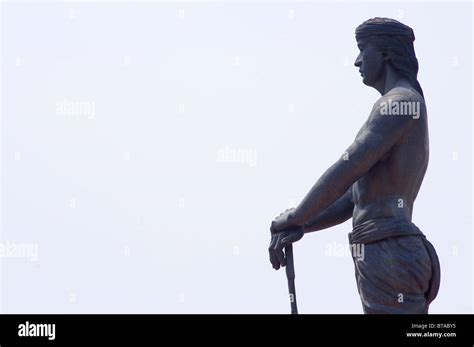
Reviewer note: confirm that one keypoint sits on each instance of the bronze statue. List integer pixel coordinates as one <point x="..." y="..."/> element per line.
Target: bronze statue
<point x="376" y="182"/>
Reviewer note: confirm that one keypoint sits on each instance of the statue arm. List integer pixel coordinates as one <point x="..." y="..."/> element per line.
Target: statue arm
<point x="380" y="134"/>
<point x="337" y="213"/>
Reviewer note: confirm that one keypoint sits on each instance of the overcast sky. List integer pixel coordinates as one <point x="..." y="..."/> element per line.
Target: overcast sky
<point x="146" y="148"/>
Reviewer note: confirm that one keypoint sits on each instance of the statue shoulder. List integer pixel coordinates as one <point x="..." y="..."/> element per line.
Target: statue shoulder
<point x="398" y="102"/>
<point x="403" y="94"/>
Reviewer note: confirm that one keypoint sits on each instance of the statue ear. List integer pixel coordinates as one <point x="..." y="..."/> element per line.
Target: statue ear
<point x="385" y="56"/>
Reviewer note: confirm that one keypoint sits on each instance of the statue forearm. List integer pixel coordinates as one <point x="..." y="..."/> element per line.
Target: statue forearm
<point x="327" y="190"/>
<point x="370" y="145"/>
<point x="339" y="212"/>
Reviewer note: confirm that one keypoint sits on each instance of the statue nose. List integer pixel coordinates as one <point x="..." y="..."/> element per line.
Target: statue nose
<point x="358" y="61"/>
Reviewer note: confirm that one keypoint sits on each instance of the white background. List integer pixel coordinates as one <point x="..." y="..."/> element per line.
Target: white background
<point x="132" y="208"/>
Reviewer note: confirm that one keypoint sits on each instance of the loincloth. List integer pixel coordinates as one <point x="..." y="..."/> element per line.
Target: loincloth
<point x="400" y="270"/>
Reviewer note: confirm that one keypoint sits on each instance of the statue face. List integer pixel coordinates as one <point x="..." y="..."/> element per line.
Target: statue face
<point x="370" y="62"/>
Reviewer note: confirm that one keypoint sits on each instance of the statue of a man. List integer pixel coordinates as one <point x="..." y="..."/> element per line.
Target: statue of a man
<point x="376" y="182"/>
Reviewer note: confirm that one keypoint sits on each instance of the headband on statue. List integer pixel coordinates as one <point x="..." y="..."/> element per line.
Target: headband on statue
<point x="384" y="26"/>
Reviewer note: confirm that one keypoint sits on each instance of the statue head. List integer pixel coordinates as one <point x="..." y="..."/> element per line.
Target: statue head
<point x="384" y="44"/>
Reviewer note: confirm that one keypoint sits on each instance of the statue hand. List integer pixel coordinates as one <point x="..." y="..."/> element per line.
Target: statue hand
<point x="284" y="221"/>
<point x="279" y="241"/>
